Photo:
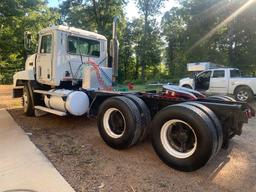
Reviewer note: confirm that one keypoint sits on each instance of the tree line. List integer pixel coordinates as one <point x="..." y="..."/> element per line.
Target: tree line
<point x="219" y="31"/>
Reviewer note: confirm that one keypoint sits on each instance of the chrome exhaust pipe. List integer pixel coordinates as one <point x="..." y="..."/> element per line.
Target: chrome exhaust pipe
<point x="114" y="46"/>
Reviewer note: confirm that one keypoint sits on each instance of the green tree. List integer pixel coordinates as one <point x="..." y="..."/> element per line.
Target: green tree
<point x="137" y="33"/>
<point x="93" y="15"/>
<point x="149" y="9"/>
<point x="174" y="30"/>
<point x="241" y="38"/>
<point x="127" y="59"/>
<point x="220" y="31"/>
<point x="16" y="17"/>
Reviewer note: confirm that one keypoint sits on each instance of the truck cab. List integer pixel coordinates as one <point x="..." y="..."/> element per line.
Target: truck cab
<point x="61" y="55"/>
<point x="222" y="81"/>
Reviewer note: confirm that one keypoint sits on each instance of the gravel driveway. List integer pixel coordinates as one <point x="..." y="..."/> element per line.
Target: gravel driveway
<point x="76" y="149"/>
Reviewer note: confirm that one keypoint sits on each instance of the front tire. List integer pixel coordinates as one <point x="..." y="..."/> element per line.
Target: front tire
<point x="28" y="107"/>
<point x="184" y="137"/>
<point x="243" y="94"/>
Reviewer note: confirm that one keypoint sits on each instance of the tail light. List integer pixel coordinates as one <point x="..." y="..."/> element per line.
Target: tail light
<point x="178" y="95"/>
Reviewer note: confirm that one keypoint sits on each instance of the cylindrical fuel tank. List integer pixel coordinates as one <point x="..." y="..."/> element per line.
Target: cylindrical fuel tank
<point x="76" y="102"/>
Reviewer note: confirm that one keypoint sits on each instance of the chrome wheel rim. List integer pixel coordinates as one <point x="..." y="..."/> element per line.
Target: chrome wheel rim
<point x="114" y="123"/>
<point x="178" y="138"/>
<point x="242" y="95"/>
<point x="25" y="101"/>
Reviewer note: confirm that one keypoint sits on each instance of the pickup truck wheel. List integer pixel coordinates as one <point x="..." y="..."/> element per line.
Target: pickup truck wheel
<point x="184" y="137"/>
<point x="119" y="122"/>
<point x="27" y="102"/>
<point x="144" y="113"/>
<point x="215" y="120"/>
<point x="243" y="94"/>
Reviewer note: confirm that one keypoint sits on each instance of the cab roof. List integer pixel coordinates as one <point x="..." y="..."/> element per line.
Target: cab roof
<point x="223" y="68"/>
<point x="74" y="31"/>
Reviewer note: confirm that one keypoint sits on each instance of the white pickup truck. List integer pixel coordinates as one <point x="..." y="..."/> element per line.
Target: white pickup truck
<point x="222" y="81"/>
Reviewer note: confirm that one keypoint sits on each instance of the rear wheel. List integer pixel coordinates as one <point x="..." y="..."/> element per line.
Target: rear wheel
<point x="144" y="113"/>
<point x="184" y="137"/>
<point x="28" y="107"/>
<point x="215" y="120"/>
<point x="119" y="122"/>
<point x="178" y="138"/>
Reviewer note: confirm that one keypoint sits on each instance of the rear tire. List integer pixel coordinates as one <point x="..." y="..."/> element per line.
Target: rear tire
<point x="215" y="120"/>
<point x="119" y="122"/>
<point x="144" y="113"/>
<point x="187" y="126"/>
<point x="27" y="102"/>
<point x="229" y="99"/>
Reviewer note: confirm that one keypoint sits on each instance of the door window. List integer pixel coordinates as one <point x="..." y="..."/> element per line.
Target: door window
<point x="203" y="80"/>
<point x="46" y="44"/>
<point x="204" y="75"/>
<point x="235" y="73"/>
<point x="218" y="74"/>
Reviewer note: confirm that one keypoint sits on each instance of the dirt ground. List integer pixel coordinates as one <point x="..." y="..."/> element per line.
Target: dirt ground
<point x="6" y="100"/>
<point x="75" y="147"/>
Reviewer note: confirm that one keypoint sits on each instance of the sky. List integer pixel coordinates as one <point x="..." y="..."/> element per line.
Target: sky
<point x="131" y="9"/>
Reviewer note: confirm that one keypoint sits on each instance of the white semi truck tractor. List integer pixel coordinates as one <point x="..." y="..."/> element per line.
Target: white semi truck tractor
<point x="72" y="73"/>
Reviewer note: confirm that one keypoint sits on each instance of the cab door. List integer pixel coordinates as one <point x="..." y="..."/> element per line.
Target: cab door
<point x="219" y="82"/>
<point x="44" y="59"/>
<point x="202" y="81"/>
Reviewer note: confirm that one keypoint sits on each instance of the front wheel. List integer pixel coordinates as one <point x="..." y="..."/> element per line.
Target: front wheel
<point x="243" y="94"/>
<point x="27" y="102"/>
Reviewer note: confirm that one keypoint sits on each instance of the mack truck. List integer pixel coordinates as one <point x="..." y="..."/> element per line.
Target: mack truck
<point x="73" y="73"/>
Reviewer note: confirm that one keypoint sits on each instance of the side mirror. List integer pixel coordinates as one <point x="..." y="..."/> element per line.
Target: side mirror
<point x="27" y="40"/>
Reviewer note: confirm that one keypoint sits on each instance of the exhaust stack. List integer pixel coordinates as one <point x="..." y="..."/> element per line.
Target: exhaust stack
<point x="114" y="49"/>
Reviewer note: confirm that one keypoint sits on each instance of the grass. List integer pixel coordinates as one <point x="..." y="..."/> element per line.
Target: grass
<point x="139" y="88"/>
